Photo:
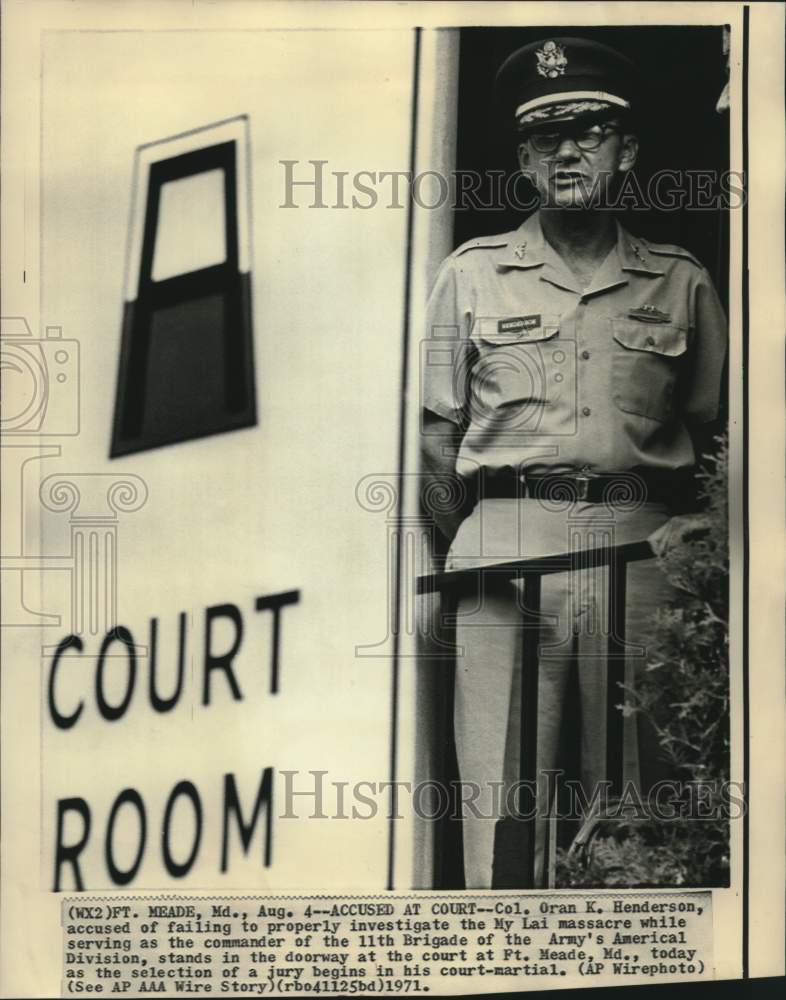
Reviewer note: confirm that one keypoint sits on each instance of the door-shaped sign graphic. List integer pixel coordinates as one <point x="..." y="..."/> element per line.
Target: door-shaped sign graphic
<point x="186" y="359"/>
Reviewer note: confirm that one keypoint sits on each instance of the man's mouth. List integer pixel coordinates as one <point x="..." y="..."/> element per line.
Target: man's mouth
<point x="568" y="177"/>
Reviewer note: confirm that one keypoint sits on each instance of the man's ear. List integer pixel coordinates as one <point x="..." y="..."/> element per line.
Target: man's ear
<point x="629" y="153"/>
<point x="522" y="152"/>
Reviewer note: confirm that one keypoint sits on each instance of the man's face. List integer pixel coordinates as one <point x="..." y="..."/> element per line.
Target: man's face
<point x="574" y="165"/>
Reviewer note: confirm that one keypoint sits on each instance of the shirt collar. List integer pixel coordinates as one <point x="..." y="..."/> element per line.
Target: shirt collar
<point x="634" y="254"/>
<point x="527" y="248"/>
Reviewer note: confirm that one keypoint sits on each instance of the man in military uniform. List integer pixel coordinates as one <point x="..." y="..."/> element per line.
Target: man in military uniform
<point x="574" y="367"/>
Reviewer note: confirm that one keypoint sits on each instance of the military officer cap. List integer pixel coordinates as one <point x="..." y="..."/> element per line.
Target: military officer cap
<point x="564" y="79"/>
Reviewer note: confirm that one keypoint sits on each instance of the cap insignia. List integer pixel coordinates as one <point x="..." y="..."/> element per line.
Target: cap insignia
<point x="551" y="60"/>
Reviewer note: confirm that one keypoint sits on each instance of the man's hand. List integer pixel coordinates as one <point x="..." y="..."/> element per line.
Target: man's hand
<point x="676" y="531"/>
<point x="439" y="445"/>
<point x="449" y="524"/>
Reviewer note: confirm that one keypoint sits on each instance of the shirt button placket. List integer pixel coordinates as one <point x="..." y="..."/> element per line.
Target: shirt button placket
<point x="585" y="410"/>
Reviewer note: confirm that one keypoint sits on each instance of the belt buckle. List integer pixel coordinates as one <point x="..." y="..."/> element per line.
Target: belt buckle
<point x="582" y="481"/>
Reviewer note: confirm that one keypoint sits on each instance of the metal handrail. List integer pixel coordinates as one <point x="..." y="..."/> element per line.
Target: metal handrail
<point x="452" y="583"/>
<point x="458" y="579"/>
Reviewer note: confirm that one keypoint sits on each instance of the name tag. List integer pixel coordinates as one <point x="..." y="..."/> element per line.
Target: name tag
<point x="518" y="324"/>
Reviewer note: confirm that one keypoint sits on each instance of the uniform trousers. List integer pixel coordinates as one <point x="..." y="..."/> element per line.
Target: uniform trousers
<point x="573" y="636"/>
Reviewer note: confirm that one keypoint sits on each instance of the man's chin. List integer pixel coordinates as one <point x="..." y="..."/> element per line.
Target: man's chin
<point x="571" y="198"/>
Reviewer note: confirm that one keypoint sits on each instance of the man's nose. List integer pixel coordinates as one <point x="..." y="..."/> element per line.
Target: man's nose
<point x="567" y="149"/>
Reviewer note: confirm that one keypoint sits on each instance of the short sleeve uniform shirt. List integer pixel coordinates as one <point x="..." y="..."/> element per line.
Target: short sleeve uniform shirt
<point x="541" y="374"/>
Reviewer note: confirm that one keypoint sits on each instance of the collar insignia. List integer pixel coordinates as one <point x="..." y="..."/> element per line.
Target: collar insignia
<point x="635" y="248"/>
<point x="551" y="60"/>
<point x="520" y="250"/>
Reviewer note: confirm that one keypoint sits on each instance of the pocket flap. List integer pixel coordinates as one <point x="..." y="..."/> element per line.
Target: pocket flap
<point x="522" y="329"/>
<point x="659" y="339"/>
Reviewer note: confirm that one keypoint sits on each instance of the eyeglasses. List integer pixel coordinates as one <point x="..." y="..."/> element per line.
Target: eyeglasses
<point x="587" y="141"/>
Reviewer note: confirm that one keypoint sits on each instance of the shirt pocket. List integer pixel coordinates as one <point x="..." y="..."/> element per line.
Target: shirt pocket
<point x="512" y="379"/>
<point x="646" y="365"/>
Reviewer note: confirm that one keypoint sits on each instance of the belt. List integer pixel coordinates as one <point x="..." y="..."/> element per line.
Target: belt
<point x="674" y="488"/>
